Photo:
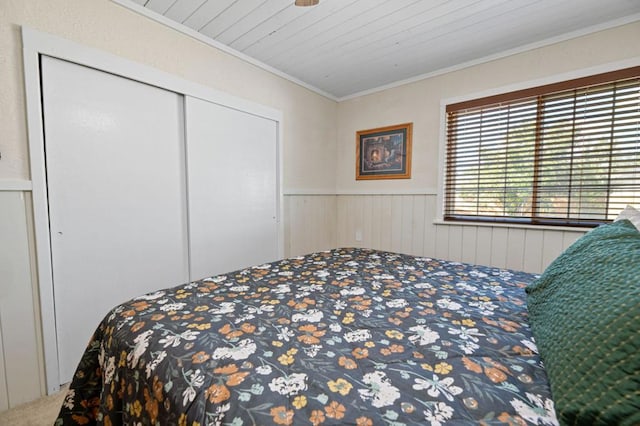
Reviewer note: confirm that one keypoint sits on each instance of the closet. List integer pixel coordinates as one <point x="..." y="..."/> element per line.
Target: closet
<point x="146" y="188"/>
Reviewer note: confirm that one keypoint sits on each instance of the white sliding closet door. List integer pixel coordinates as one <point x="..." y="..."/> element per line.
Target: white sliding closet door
<point x="232" y="174"/>
<point x="117" y="195"/>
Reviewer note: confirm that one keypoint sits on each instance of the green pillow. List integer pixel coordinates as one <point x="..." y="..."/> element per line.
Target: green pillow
<point x="585" y="316"/>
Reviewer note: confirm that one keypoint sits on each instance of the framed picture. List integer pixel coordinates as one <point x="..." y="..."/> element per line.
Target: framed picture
<point x="384" y="153"/>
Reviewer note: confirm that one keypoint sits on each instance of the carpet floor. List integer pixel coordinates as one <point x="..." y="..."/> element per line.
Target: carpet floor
<point x="41" y="412"/>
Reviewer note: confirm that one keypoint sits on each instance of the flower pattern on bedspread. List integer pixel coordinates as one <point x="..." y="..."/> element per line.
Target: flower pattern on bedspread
<point x="347" y="336"/>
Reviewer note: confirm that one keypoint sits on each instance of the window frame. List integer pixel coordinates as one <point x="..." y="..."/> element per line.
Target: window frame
<point x="566" y="81"/>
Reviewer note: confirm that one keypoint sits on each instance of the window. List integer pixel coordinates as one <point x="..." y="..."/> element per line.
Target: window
<point x="561" y="154"/>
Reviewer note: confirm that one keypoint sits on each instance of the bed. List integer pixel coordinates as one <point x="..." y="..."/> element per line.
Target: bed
<point x="346" y="336"/>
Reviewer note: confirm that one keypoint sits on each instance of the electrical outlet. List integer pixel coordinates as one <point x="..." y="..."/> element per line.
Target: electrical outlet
<point x="358" y="235"/>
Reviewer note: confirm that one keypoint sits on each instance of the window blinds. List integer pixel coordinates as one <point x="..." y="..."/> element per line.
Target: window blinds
<point x="562" y="154"/>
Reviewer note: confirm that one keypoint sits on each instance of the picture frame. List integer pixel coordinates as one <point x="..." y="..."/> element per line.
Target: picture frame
<point x="384" y="152"/>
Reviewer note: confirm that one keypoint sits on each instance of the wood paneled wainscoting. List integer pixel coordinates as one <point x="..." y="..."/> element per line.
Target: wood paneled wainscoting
<point x="406" y="224"/>
<point x="309" y="223"/>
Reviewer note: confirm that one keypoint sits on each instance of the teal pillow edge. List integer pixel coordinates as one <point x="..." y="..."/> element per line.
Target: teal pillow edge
<point x="555" y="300"/>
<point x="622" y="227"/>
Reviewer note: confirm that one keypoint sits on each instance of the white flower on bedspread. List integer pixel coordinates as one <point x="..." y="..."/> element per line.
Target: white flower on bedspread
<point x="196" y="380"/>
<point x="354" y="291"/>
<point x="477" y="274"/>
<point x="244" y="318"/>
<point x="188" y="395"/>
<point x="263" y="266"/>
<point x="313" y="315"/>
<point x="423" y="285"/>
<point x="69" y="399"/>
<point x="224" y="308"/>
<point x="152" y="296"/>
<point x="446" y="303"/>
<point x="357" y="336"/>
<point x="467" y="287"/>
<point x="312" y="350"/>
<point x="436" y="387"/>
<point x="381" y="392"/>
<point x="322" y="274"/>
<point x="282" y="289"/>
<point x="173" y="306"/>
<point x="174" y="340"/>
<point x="141" y="344"/>
<point x="423" y="335"/>
<point x="340" y="305"/>
<point x="153" y="364"/>
<point x="538" y="412"/>
<point x="384" y="277"/>
<point x="109" y="369"/>
<point x="397" y="303"/>
<point x="468" y="347"/>
<point x="529" y="344"/>
<point x="259" y="310"/>
<point x="439" y="414"/>
<point x="243" y="350"/>
<point x="289" y="385"/>
<point x="466" y="333"/>
<point x="265" y="370"/>
<point x="285" y="334"/>
<point x="486" y="308"/>
<point x="219" y="415"/>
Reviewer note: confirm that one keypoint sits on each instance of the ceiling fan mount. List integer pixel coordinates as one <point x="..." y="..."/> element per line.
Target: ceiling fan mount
<point x="305" y="3"/>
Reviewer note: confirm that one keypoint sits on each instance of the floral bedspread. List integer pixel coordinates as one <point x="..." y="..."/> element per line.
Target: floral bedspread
<point x="347" y="336"/>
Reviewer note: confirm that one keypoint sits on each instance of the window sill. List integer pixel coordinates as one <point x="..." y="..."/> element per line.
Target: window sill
<point x="440" y="222"/>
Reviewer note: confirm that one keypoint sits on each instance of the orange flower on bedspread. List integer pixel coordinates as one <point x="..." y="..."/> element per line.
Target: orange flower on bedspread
<point x="217" y="393"/>
<point x="470" y="365"/>
<point x="140" y="306"/>
<point x="200" y="357"/>
<point x="495" y="374"/>
<point x="231" y="374"/>
<point x="311" y="334"/>
<point x="81" y="420"/>
<point x="151" y="406"/>
<point x="364" y="421"/>
<point x="229" y="332"/>
<point x="335" y="410"/>
<point x="282" y="416"/>
<point x="393" y="349"/>
<point x="158" y="387"/>
<point x="347" y="363"/>
<point x="359" y="353"/>
<point x="301" y="304"/>
<point x="317" y="417"/>
<point x="511" y="420"/>
<point x="360" y="303"/>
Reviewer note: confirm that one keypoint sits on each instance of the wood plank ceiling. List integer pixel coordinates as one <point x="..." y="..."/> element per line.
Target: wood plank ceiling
<point x="345" y="47"/>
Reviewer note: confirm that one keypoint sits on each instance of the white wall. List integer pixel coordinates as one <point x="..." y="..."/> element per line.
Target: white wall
<point x="20" y="350"/>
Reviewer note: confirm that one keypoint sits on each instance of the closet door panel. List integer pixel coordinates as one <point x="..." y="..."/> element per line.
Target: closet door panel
<point x="232" y="188"/>
<point x="117" y="195"/>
